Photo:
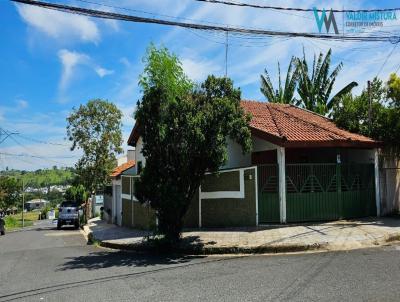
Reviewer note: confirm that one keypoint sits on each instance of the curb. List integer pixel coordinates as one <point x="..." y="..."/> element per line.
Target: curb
<point x="199" y="250"/>
<point x="144" y="247"/>
<point x="88" y="234"/>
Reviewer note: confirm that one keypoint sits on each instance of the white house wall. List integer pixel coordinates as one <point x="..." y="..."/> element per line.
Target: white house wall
<point x="262" y="145"/>
<point x="236" y="158"/>
<point x="138" y="153"/>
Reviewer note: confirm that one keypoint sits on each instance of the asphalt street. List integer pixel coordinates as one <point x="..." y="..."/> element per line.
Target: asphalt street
<point x="43" y="264"/>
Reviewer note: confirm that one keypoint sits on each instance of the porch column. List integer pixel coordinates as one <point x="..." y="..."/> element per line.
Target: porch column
<point x="282" y="183"/>
<point x="377" y="183"/>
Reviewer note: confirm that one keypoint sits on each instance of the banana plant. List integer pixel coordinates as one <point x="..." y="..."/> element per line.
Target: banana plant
<point x="284" y="94"/>
<point x="315" y="89"/>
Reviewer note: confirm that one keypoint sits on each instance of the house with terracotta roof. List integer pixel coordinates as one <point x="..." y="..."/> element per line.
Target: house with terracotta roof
<point x="302" y="168"/>
<point x="125" y="164"/>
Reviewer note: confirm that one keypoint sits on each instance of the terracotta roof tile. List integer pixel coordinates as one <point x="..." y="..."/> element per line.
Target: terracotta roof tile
<point x="118" y="170"/>
<point x="291" y="126"/>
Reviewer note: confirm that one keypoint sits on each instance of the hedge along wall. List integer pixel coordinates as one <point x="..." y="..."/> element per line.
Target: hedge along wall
<point x="229" y="198"/>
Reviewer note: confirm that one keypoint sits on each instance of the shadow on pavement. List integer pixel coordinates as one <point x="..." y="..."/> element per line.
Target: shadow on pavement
<point x="105" y="259"/>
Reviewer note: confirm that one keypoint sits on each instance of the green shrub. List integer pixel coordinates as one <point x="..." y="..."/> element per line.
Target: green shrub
<point x="11" y="222"/>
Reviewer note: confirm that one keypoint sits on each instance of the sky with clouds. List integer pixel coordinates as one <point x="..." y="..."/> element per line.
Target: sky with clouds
<point x="52" y="61"/>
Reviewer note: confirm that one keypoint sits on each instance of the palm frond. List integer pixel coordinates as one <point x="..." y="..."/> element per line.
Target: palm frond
<point x="345" y="90"/>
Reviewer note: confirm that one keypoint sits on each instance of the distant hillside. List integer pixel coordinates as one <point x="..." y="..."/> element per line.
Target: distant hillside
<point x="42" y="178"/>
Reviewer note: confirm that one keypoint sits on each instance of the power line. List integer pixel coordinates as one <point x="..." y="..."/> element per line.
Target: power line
<point x="168" y="16"/>
<point x="33" y="139"/>
<point x="387" y="58"/>
<point x="42" y="142"/>
<point x="6" y="134"/>
<point x="36" y="156"/>
<point x="44" y="158"/>
<point x="137" y="19"/>
<point x="296" y="8"/>
<point x="142" y="11"/>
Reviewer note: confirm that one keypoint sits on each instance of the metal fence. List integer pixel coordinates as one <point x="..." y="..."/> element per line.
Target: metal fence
<point x="317" y="192"/>
<point x="268" y="196"/>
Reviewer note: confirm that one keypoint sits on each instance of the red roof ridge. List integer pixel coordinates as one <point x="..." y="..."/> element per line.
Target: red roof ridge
<point x="312" y="123"/>
<point x="310" y="111"/>
<point x="276" y="125"/>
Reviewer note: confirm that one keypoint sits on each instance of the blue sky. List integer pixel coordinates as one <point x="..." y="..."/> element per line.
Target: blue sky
<point x="52" y="61"/>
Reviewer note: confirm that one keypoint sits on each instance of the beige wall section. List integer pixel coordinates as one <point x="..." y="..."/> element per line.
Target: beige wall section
<point x="134" y="214"/>
<point x="390" y="184"/>
<point x="126" y="213"/>
<point x="226" y="212"/>
<point x="226" y="181"/>
<point x="125" y="182"/>
<point x="144" y="217"/>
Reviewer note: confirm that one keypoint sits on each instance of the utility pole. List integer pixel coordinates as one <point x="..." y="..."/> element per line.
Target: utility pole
<point x="369" y="107"/>
<point x="23" y="203"/>
<point x="226" y="53"/>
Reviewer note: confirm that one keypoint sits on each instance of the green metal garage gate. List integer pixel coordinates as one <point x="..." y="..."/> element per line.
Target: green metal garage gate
<point x="317" y="192"/>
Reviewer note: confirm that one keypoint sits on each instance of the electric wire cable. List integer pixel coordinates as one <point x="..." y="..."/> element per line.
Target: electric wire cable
<point x="137" y="19"/>
<point x="231" y="3"/>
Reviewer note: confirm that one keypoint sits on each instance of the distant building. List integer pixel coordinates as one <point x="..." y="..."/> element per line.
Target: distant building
<point x="36" y="204"/>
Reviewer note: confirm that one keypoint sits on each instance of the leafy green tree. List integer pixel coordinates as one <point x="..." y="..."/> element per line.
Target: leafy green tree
<point x="393" y="89"/>
<point x="10" y="190"/>
<point x="284" y="94"/>
<point x="184" y="131"/>
<point x="353" y="113"/>
<point x="95" y="128"/>
<point x="76" y="193"/>
<point x="315" y="85"/>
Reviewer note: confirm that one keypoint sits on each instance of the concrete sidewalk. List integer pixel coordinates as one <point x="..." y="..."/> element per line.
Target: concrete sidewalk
<point x="329" y="236"/>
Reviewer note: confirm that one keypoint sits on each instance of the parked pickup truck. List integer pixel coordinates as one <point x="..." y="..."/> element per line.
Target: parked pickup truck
<point x="68" y="214"/>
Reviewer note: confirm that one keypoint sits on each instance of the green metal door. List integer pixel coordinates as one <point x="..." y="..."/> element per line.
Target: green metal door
<point x="317" y="192"/>
<point x="268" y="196"/>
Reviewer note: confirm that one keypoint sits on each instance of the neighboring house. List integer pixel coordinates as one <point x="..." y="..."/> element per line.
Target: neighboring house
<point x="124" y="164"/>
<point x="35" y="204"/>
<point x="302" y="168"/>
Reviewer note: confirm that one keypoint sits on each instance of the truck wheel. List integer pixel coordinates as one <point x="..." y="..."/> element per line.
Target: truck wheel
<point x="3" y="233"/>
<point x="58" y="226"/>
<point x="77" y="225"/>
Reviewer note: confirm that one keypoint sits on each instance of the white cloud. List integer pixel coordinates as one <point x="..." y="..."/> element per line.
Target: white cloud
<point x="102" y="72"/>
<point x="198" y="70"/>
<point x="69" y="60"/>
<point x="59" y="25"/>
